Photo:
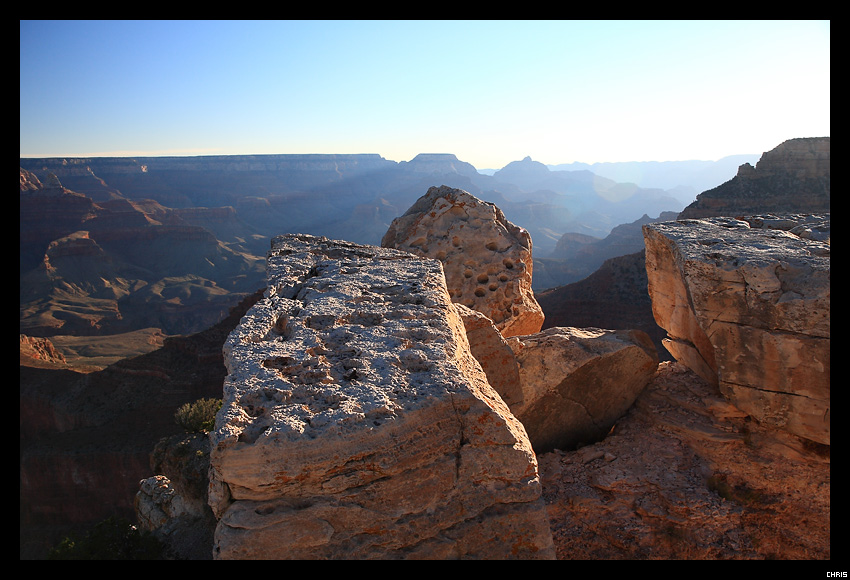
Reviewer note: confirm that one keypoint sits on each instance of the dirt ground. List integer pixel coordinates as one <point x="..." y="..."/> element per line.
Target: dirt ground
<point x="685" y="475"/>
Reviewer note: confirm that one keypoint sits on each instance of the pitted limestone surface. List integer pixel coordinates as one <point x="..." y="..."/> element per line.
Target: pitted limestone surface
<point x="487" y="259"/>
<point x="357" y="424"/>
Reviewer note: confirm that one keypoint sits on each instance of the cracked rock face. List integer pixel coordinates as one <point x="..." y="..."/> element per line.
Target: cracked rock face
<point x="745" y="303"/>
<point x="487" y="260"/>
<point x="356" y="423"/>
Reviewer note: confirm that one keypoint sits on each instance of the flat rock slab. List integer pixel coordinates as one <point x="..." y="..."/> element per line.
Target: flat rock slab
<point x="356" y="424"/>
<point x="745" y="303"/>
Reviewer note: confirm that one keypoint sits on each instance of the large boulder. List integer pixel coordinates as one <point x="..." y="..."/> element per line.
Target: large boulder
<point x="357" y="425"/>
<point x="566" y="385"/>
<point x="487" y="260"/>
<point x="745" y="303"/>
<point x="576" y="382"/>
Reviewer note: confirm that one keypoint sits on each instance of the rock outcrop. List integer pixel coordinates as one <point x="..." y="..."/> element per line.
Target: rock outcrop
<point x="39" y="351"/>
<point x="357" y="424"/>
<point x="487" y="260"/>
<point x="567" y="386"/>
<point x="172" y="505"/>
<point x="746" y="306"/>
<point x="792" y="177"/>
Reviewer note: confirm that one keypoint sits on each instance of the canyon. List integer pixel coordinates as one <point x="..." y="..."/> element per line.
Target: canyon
<point x="564" y="474"/>
<point x="679" y="469"/>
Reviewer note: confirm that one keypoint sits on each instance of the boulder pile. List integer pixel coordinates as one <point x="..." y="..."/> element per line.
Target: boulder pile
<point x="391" y="402"/>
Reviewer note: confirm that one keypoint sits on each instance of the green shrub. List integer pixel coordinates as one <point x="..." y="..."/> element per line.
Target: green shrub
<point x="198" y="417"/>
<point x="112" y="539"/>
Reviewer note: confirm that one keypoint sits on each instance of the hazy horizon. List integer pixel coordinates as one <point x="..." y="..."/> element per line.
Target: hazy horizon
<point x="489" y="92"/>
<point x="129" y="155"/>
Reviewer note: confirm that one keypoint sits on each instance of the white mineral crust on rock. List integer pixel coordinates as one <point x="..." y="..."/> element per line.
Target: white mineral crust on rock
<point x="356" y="424"/>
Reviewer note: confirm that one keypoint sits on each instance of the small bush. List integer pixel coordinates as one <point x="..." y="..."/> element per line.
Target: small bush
<point x="112" y="539"/>
<point x="198" y="417"/>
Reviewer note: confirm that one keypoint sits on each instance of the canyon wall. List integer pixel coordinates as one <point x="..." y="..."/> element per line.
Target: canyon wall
<point x="793" y="177"/>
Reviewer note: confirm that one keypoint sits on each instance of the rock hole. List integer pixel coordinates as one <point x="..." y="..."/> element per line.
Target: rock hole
<point x="320" y="322"/>
<point x="509" y="264"/>
<point x="483" y="278"/>
<point x="492" y="246"/>
<point x="279" y="362"/>
<point x="282" y="327"/>
<point x="365" y="318"/>
<point x="480" y="292"/>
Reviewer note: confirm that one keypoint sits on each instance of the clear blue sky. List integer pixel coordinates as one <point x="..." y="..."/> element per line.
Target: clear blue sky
<point x="490" y="92"/>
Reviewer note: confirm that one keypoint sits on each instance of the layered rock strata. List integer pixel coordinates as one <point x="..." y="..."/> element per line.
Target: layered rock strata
<point x="356" y="423"/>
<point x="746" y="306"/>
<point x="792" y="177"/>
<point x="487" y="260"/>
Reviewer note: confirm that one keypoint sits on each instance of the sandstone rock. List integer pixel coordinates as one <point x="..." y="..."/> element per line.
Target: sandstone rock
<point x="173" y="505"/>
<point x="35" y="349"/>
<point x="747" y="308"/>
<point x="356" y="423"/>
<point x="487" y="259"/>
<point x="494" y="354"/>
<point x="158" y="503"/>
<point x="576" y="382"/>
<point x="29" y="181"/>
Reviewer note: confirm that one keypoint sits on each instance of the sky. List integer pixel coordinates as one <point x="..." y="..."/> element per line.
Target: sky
<point x="490" y="91"/>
